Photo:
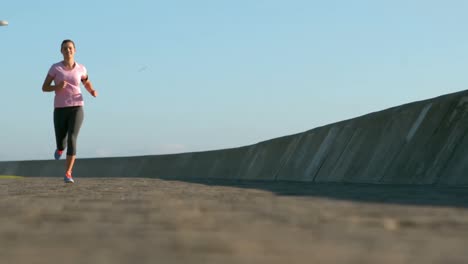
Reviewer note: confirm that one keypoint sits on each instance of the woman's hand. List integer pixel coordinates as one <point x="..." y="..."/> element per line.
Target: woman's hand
<point x="94" y="93"/>
<point x="48" y="87"/>
<point x="60" y="85"/>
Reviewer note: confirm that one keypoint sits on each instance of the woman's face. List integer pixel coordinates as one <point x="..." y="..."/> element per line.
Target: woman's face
<point x="68" y="50"/>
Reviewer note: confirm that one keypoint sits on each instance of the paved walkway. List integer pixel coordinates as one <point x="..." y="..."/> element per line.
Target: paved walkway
<point x="122" y="220"/>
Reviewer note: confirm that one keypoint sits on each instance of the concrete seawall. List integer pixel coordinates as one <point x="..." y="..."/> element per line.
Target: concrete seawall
<point x="418" y="143"/>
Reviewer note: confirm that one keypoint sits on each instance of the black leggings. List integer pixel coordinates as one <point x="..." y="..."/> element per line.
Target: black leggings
<point x="67" y="123"/>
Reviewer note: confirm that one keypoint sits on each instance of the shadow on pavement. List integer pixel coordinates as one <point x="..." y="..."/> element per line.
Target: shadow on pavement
<point x="421" y="195"/>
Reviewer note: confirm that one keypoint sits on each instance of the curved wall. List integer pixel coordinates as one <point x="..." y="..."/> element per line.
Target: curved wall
<point x="418" y="143"/>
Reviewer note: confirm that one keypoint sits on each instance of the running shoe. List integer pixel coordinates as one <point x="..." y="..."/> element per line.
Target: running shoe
<point x="68" y="178"/>
<point x="58" y="154"/>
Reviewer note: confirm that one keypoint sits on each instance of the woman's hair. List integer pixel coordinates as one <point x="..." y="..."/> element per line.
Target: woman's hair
<point x="66" y="41"/>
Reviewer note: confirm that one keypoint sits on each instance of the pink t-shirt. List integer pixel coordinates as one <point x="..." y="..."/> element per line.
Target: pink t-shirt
<point x="70" y="95"/>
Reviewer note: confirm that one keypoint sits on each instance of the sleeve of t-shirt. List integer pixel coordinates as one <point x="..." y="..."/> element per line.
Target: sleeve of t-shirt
<point x="52" y="71"/>
<point x="85" y="72"/>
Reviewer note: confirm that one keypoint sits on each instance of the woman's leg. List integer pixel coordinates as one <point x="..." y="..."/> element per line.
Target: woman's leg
<point x="74" y="125"/>
<point x="70" y="163"/>
<point x="61" y="128"/>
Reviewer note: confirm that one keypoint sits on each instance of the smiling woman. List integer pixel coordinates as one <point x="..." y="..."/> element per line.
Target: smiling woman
<point x="3" y="23"/>
<point x="68" y="112"/>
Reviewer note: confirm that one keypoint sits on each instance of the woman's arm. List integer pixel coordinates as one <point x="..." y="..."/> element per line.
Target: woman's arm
<point x="48" y="87"/>
<point x="89" y="86"/>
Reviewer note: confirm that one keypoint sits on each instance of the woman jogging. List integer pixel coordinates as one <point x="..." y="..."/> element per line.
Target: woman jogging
<point x="68" y="103"/>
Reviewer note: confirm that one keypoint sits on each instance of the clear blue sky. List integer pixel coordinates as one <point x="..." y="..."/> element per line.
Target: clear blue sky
<point x="179" y="76"/>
